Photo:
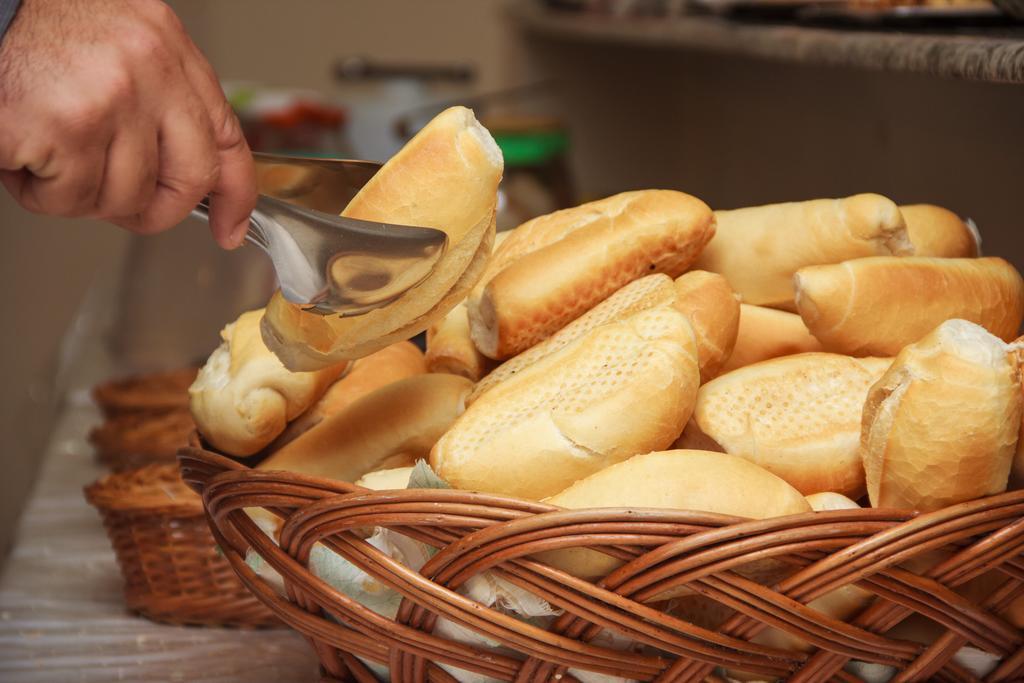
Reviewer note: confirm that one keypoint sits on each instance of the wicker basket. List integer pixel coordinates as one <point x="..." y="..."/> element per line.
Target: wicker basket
<point x="154" y="392"/>
<point x="477" y="532"/>
<point x="133" y="440"/>
<point x="172" y="568"/>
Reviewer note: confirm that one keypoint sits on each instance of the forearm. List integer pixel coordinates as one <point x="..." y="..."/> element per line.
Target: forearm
<point x="8" y="8"/>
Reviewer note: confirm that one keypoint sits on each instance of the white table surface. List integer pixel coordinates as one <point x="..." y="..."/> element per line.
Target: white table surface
<point x="62" y="616"/>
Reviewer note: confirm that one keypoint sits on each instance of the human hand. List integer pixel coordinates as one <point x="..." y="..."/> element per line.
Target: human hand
<point x="108" y="110"/>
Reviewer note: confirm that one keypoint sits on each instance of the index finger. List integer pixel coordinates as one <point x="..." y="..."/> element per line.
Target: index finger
<point x="234" y="196"/>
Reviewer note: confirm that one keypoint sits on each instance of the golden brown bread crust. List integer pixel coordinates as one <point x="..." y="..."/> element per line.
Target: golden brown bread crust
<point x="1017" y="470"/>
<point x="830" y="500"/>
<point x="713" y="309"/>
<point x="941" y="426"/>
<point x="450" y="348"/>
<point x="244" y="397"/>
<point x="678" y="480"/>
<point x="623" y="388"/>
<point x="935" y="231"/>
<point x="639" y="295"/>
<point x="390" y="427"/>
<point x="451" y="299"/>
<point x="766" y="333"/>
<point x="876" y="306"/>
<point x="705" y="298"/>
<point x="759" y="248"/>
<point x="798" y="417"/>
<point x="379" y="369"/>
<point x="556" y="267"/>
<point x="664" y="479"/>
<point x="445" y="177"/>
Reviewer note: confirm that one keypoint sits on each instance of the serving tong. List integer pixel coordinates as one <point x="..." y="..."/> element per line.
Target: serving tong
<point x="329" y="264"/>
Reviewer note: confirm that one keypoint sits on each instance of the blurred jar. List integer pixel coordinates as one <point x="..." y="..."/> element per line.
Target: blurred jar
<point x="177" y="290"/>
<point x="290" y="121"/>
<point x="377" y="93"/>
<point x="537" y="179"/>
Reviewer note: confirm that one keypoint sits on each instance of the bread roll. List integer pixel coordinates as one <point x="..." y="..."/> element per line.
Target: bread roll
<point x="797" y="416"/>
<point x="935" y="231"/>
<point x="624" y="388"/>
<point x="556" y="267"/>
<point x="390" y="427"/>
<point x="830" y="500"/>
<point x="639" y="295"/>
<point x="879" y="305"/>
<point x="678" y="480"/>
<point x="379" y="369"/>
<point x="383" y="480"/>
<point x="446" y="177"/>
<point x="765" y="333"/>
<point x="450" y="348"/>
<point x="759" y="248"/>
<point x="244" y="397"/>
<point x="940" y="427"/>
<point x="1017" y="469"/>
<point x="714" y="311"/>
<point x="705" y="298"/>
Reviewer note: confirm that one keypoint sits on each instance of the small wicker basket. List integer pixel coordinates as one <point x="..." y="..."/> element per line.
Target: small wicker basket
<point x="154" y="392"/>
<point x="172" y="569"/>
<point x="663" y="549"/>
<point x="132" y="440"/>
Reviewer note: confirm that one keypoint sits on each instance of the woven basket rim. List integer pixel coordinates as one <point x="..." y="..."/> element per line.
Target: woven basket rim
<point x="145" y="392"/>
<point x="142" y="434"/>
<point x="154" y="489"/>
<point x="658" y="549"/>
<point x="199" y="449"/>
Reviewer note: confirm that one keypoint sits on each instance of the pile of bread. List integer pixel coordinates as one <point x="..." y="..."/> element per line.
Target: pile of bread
<point x="645" y="351"/>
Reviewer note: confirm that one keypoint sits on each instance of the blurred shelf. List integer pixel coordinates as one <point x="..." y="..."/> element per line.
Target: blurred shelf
<point x="994" y="55"/>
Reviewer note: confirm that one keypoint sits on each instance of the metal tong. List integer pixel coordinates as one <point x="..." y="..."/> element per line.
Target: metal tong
<point x="330" y="264"/>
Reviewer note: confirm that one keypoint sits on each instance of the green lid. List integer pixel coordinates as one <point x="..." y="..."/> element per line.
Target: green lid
<point x="531" y="148"/>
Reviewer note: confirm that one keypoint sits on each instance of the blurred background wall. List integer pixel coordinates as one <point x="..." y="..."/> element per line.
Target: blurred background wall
<point x="46" y="266"/>
<point x="732" y="131"/>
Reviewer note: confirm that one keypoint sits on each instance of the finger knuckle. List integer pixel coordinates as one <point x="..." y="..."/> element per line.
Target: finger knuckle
<point x="226" y="128"/>
<point x="145" y="44"/>
<point x="82" y="115"/>
<point x="115" y="89"/>
<point x="201" y="181"/>
<point x="162" y="14"/>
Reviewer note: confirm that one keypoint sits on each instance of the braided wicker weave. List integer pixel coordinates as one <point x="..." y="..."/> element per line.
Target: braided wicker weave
<point x="172" y="569"/>
<point x="154" y="392"/>
<point x="663" y="549"/>
<point x="132" y="440"/>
